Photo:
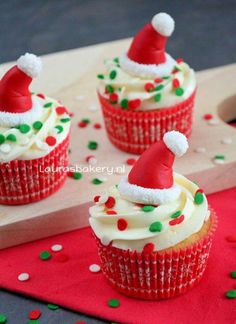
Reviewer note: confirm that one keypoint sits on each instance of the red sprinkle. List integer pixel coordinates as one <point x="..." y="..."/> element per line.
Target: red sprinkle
<point x="158" y="80"/>
<point x="149" y="86"/>
<point x="34" y="314"/>
<point x="130" y="161"/>
<point x="96" y="199"/>
<point x="134" y="104"/>
<point x="110" y="203"/>
<point x="113" y="97"/>
<point x="70" y="174"/>
<point x="71" y="114"/>
<point x="51" y="140"/>
<point x="82" y="124"/>
<point x="179" y="60"/>
<point x="175" y="83"/>
<point x="122" y="224"/>
<point x="140" y="205"/>
<point x="207" y="116"/>
<point x="61" y="110"/>
<point x="40" y="95"/>
<point x="97" y="126"/>
<point x="148" y="248"/>
<point x="176" y="221"/>
<point x="111" y="212"/>
<point x="231" y="238"/>
<point x="62" y="257"/>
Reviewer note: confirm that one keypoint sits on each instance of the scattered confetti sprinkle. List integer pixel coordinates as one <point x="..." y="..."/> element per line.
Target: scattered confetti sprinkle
<point x="92" y="145"/>
<point x="59" y="129"/>
<point x="130" y="161"/>
<point x="61" y="110"/>
<point x="124" y="103"/>
<point x="148" y="208"/>
<point x="233" y="274"/>
<point x="82" y="124"/>
<point x="110" y="202"/>
<point x="122" y="224"/>
<point x="111" y="212"/>
<point x="40" y="95"/>
<point x="97" y="126"/>
<point x="176" y="221"/>
<point x="213" y="122"/>
<point x="51" y="140"/>
<point x="45" y="255"/>
<point x="24" y="276"/>
<point x="56" y="247"/>
<point x="219" y="159"/>
<point x="149" y="87"/>
<point x="113" y="74"/>
<point x="3" y="319"/>
<point x="96" y="181"/>
<point x="113" y="303"/>
<point x="148" y="248"/>
<point x="155" y="227"/>
<point x="90" y="159"/>
<point x="157" y="97"/>
<point x="77" y="175"/>
<point x="94" y="268"/>
<point x="113" y="97"/>
<point x="175" y="83"/>
<point x="52" y="306"/>
<point x="158" y="80"/>
<point x="200" y="149"/>
<point x="65" y="120"/>
<point x="227" y="140"/>
<point x="100" y="76"/>
<point x="208" y="116"/>
<point x="48" y="105"/>
<point x="231" y="294"/>
<point x="34" y="314"/>
<point x="109" y="89"/>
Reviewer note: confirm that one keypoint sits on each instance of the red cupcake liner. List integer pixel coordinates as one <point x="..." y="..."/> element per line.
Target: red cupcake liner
<point x="135" y="131"/>
<point x="23" y="181"/>
<point x="156" y="275"/>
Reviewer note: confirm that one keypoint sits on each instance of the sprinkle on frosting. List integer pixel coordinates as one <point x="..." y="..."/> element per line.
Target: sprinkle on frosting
<point x="122" y="224"/>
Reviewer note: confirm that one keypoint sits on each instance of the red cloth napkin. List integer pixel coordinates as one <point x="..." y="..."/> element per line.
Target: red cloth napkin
<point x="72" y="285"/>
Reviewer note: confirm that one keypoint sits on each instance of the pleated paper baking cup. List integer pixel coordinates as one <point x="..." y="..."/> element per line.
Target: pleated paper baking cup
<point x="135" y="131"/>
<point x="25" y="181"/>
<point x="156" y="275"/>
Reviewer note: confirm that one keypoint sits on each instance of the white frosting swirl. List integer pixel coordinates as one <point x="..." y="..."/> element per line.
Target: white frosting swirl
<point x="130" y="87"/>
<point x="32" y="144"/>
<point x="137" y="233"/>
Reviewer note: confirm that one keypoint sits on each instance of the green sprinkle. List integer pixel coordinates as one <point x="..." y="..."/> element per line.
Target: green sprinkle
<point x="179" y="91"/>
<point x="45" y="255"/>
<point x="159" y="87"/>
<point x="233" y="274"/>
<point x="65" y="120"/>
<point x="3" y="319"/>
<point x="109" y="88"/>
<point x="113" y="74"/>
<point x="86" y="120"/>
<point x="92" y="145"/>
<point x="116" y="60"/>
<point x="219" y="157"/>
<point x="100" y="76"/>
<point x="166" y="77"/>
<point x="48" y="104"/>
<point x="77" y="175"/>
<point x="37" y="125"/>
<point x="231" y="294"/>
<point x="198" y="198"/>
<point x="53" y="306"/>
<point x="60" y="128"/>
<point x="176" y="214"/>
<point x="176" y="68"/>
<point x="157" y="97"/>
<point x="96" y="181"/>
<point x="148" y="208"/>
<point x="33" y="321"/>
<point x="155" y="227"/>
<point x="24" y="128"/>
<point x="113" y="303"/>
<point x="11" y="138"/>
<point x="124" y="103"/>
<point x="2" y="138"/>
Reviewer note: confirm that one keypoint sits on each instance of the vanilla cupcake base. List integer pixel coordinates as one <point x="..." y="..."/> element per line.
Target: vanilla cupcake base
<point x="159" y="275"/>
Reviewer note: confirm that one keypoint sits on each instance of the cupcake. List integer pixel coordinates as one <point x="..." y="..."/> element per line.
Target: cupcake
<point x="154" y="230"/>
<point x="145" y="92"/>
<point x="34" y="137"/>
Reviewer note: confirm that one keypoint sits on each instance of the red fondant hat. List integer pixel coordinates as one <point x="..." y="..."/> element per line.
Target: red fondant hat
<point x="147" y="49"/>
<point x="151" y="179"/>
<point x="15" y="96"/>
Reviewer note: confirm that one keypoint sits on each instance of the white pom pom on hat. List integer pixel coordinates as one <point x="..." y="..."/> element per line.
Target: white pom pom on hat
<point x="163" y="23"/>
<point x="176" y="142"/>
<point x="30" y="64"/>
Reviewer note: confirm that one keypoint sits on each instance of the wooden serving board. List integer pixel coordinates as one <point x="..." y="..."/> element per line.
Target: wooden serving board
<point x="71" y="77"/>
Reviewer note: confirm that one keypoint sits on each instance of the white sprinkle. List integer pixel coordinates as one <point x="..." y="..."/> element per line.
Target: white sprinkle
<point x="24" y="276"/>
<point x="56" y="247"/>
<point x="105" y="240"/>
<point x="219" y="161"/>
<point x="5" y="148"/>
<point x="80" y="97"/>
<point x="92" y="160"/>
<point x="200" y="149"/>
<point x="94" y="268"/>
<point x="103" y="179"/>
<point x="213" y="122"/>
<point x="41" y="145"/>
<point x="227" y="140"/>
<point x="93" y="107"/>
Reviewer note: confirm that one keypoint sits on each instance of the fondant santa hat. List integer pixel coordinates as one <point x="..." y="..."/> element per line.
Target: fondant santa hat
<point x="146" y="55"/>
<point x="151" y="180"/>
<point x="15" y="97"/>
